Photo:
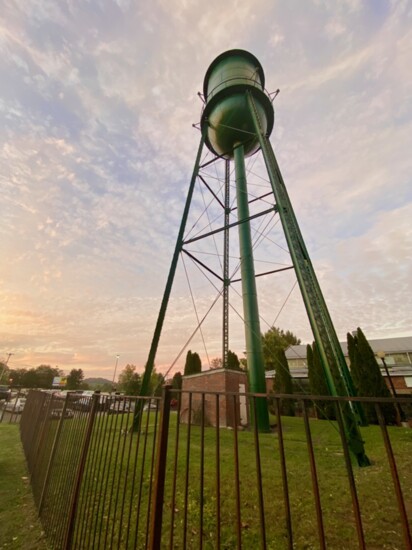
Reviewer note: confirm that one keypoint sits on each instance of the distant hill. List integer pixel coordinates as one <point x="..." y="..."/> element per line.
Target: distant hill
<point x="97" y="382"/>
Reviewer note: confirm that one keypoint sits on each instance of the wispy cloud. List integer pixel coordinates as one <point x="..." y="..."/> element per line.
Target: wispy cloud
<point x="97" y="149"/>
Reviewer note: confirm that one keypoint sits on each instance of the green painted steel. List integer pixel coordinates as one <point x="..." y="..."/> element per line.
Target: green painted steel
<point x="226" y="278"/>
<point x="236" y="121"/>
<point x="226" y="115"/>
<point x="254" y="353"/>
<point x="230" y="68"/>
<point x="163" y="307"/>
<point x="334" y="365"/>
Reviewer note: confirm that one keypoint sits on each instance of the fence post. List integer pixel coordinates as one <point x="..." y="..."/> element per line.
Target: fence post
<point x="395" y="476"/>
<point x="79" y="475"/>
<point x="160" y="472"/>
<point x="351" y="478"/>
<point x="52" y="454"/>
<point x="42" y="433"/>
<point x="40" y="398"/>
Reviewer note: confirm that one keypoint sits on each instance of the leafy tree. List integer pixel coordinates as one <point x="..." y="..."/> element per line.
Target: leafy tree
<point x="317" y="382"/>
<point x="274" y="343"/>
<point x="233" y="362"/>
<point x="129" y="380"/>
<point x="29" y="379"/>
<point x="273" y="340"/>
<point x="367" y="376"/>
<point x="17" y="376"/>
<point x="45" y="375"/>
<point x="4" y="373"/>
<point x="243" y="363"/>
<point x="193" y="364"/>
<point x="177" y="381"/>
<point x="74" y="379"/>
<point x="157" y="381"/>
<point x="39" y="377"/>
<point x="216" y="363"/>
<point x="283" y="381"/>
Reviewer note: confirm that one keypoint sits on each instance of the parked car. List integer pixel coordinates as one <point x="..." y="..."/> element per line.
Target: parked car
<point x="57" y="412"/>
<point x="121" y="406"/>
<point x="4" y="392"/>
<point x="83" y="404"/>
<point x="15" y="405"/>
<point x="150" y="405"/>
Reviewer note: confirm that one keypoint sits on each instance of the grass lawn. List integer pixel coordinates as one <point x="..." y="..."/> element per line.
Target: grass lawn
<point x="19" y="527"/>
<point x="116" y="494"/>
<point x="379" y="509"/>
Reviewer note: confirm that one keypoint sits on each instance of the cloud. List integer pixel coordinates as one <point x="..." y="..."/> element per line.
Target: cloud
<point x="98" y="148"/>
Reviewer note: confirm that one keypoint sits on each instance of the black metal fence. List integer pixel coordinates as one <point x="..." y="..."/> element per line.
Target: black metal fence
<point x="188" y="475"/>
<point x="12" y="407"/>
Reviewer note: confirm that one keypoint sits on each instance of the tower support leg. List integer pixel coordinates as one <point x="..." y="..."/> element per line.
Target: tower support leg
<point x="169" y="283"/>
<point x="333" y="362"/>
<point x="254" y="353"/>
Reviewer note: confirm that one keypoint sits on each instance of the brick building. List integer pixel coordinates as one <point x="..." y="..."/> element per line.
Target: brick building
<point x="397" y="356"/>
<point x="216" y="380"/>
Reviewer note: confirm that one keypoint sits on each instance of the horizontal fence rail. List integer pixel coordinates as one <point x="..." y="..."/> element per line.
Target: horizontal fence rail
<point x="195" y="472"/>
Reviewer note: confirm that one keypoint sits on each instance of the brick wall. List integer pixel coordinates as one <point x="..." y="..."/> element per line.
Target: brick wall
<point x="398" y="382"/>
<point x="217" y="380"/>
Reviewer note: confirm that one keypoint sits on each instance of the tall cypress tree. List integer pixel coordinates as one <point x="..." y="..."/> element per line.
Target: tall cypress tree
<point x="196" y="363"/>
<point x="351" y="347"/>
<point x="188" y="364"/>
<point x="367" y="376"/>
<point x="353" y="361"/>
<point x="233" y="362"/>
<point x="193" y="363"/>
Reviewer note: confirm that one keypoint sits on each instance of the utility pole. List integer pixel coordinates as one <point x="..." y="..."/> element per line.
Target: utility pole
<point x="115" y="369"/>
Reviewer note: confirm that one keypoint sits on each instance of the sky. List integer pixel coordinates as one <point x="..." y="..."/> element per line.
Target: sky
<point x="97" y="103"/>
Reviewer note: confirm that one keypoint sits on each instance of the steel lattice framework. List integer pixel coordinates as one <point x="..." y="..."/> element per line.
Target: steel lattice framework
<point x="236" y="122"/>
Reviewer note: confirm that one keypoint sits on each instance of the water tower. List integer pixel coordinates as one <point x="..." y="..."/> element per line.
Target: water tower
<point x="236" y="122"/>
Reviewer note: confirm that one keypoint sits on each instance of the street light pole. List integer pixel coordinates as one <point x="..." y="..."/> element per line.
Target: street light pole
<point x="400" y="416"/>
<point x="115" y="369"/>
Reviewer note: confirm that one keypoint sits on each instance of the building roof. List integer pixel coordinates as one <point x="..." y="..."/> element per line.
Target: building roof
<point x="388" y="345"/>
<point x="301" y="372"/>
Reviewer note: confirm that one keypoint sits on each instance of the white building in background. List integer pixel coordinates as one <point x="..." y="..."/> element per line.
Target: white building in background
<point x="397" y="355"/>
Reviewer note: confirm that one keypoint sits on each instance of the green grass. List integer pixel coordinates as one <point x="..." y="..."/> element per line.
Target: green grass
<point x="375" y="489"/>
<point x="19" y="527"/>
<point x="108" y="498"/>
<point x="380" y="514"/>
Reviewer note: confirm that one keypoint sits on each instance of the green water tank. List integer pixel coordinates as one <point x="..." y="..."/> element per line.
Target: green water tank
<point x="226" y="111"/>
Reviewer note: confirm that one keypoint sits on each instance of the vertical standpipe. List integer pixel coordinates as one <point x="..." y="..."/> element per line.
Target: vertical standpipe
<point x="230" y="134"/>
<point x="254" y="351"/>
